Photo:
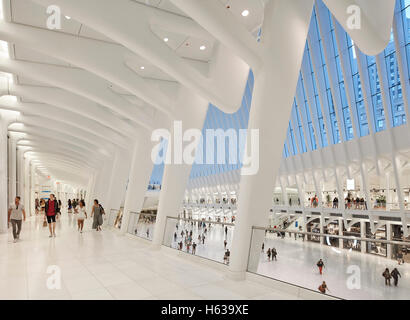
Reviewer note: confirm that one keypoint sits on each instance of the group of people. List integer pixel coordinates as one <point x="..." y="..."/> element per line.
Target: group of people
<point x="271" y="253"/>
<point x="51" y="208"/>
<point x="387" y="275"/>
<point x="355" y="203"/>
<point x="184" y="240"/>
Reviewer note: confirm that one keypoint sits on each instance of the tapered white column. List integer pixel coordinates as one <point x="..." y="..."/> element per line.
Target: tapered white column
<point x="284" y="33"/>
<point x="26" y="187"/>
<point x="119" y="175"/>
<point x="363" y="244"/>
<point x="20" y="173"/>
<point x="389" y="236"/>
<point x="141" y="169"/>
<point x="12" y="168"/>
<point x="3" y="175"/>
<point x="191" y="111"/>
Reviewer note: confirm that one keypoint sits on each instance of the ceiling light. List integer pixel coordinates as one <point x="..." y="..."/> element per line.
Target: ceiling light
<point x="142" y="68"/>
<point x="202" y="48"/>
<point x="67" y="17"/>
<point x="166" y="39"/>
<point x="245" y="13"/>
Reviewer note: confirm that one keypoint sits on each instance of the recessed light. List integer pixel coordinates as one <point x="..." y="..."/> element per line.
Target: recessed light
<point x="142" y="68"/>
<point x="245" y="13"/>
<point x="166" y="39"/>
<point x="202" y="48"/>
<point x="67" y="17"/>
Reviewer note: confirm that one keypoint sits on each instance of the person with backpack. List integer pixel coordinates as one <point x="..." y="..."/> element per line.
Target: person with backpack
<point x="97" y="212"/>
<point x="395" y="275"/>
<point x="320" y="265"/>
<point x="323" y="287"/>
<point x="387" y="277"/>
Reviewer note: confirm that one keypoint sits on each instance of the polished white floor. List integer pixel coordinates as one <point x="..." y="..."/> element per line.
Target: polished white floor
<point x="297" y="264"/>
<point x="107" y="265"/>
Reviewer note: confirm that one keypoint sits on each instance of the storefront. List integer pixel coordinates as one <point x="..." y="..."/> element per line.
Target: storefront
<point x="332" y="229"/>
<point x="354" y="232"/>
<point x="313" y="227"/>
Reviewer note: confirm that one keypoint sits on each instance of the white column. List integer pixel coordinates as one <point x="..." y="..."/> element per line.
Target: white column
<point x="389" y="237"/>
<point x="32" y="187"/>
<point x="119" y="177"/>
<point x="284" y="41"/>
<point x="141" y="169"/>
<point x="12" y="169"/>
<point x="20" y="173"/>
<point x="363" y="244"/>
<point x="191" y="111"/>
<point x="340" y="232"/>
<point x="27" y="203"/>
<point x="3" y="176"/>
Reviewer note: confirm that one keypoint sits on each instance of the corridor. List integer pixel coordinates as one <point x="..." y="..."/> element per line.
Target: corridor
<point x="108" y="265"/>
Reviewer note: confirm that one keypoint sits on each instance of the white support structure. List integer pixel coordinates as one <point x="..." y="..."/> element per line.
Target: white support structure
<point x="3" y="174"/>
<point x="281" y="67"/>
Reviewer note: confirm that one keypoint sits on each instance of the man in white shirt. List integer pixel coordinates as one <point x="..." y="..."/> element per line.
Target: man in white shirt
<point x="16" y="216"/>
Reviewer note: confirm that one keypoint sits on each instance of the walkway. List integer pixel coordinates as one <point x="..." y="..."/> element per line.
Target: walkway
<point x="108" y="265"/>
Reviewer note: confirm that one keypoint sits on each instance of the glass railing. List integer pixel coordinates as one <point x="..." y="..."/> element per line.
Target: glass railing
<point x="142" y="225"/>
<point x="207" y="239"/>
<point x="110" y="217"/>
<point x="347" y="206"/>
<point x="353" y="266"/>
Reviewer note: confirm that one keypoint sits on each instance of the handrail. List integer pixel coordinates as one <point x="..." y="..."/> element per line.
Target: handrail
<point x="207" y="221"/>
<point x="404" y="242"/>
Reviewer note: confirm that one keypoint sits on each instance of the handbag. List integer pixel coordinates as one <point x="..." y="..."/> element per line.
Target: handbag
<point x="44" y="223"/>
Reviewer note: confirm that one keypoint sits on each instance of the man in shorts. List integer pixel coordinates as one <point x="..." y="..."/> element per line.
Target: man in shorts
<point x="16" y="215"/>
<point x="51" y="212"/>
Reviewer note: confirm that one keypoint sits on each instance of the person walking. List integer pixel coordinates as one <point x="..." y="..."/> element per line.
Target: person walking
<point x="395" y="275"/>
<point x="51" y="210"/>
<point x="226" y="231"/>
<point x="194" y="248"/>
<point x="263" y="246"/>
<point x="387" y="277"/>
<point x="228" y="254"/>
<point x="269" y="254"/>
<point x="274" y="254"/>
<point x="320" y="265"/>
<point x="97" y="212"/>
<point x="81" y="215"/>
<point x="225" y="243"/>
<point x="323" y="287"/>
<point x="16" y="215"/>
<point x="69" y="206"/>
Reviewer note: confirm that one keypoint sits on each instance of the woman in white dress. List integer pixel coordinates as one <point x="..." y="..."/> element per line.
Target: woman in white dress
<point x="81" y="215"/>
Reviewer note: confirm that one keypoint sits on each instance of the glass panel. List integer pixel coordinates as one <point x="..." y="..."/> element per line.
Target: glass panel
<point x="203" y="238"/>
<point x="296" y="257"/>
<point x="142" y="224"/>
